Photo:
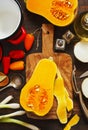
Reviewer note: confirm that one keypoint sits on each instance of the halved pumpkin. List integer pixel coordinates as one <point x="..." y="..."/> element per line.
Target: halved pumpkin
<point x="58" y="12"/>
<point x="37" y="94"/>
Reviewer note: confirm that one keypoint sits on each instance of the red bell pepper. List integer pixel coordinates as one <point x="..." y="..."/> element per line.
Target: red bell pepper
<point x="16" y="54"/>
<point x="6" y="64"/>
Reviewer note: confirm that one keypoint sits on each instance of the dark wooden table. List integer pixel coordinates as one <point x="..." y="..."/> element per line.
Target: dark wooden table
<point x="31" y="22"/>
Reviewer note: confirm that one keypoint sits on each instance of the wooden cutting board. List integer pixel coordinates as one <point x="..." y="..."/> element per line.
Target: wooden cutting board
<point x="63" y="61"/>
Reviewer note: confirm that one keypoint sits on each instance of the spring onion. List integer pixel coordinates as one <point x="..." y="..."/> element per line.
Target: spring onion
<point x="10" y="105"/>
<point x="17" y="113"/>
<point x="7" y="99"/>
<point x="22" y="123"/>
<point x="7" y="117"/>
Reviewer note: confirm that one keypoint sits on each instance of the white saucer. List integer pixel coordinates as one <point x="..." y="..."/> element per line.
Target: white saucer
<point x="81" y="51"/>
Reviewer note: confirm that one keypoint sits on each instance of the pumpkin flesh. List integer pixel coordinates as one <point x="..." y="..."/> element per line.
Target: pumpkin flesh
<point x="65" y="103"/>
<point x="73" y="121"/>
<point x="58" y="12"/>
<point x="59" y="93"/>
<point x="37" y="94"/>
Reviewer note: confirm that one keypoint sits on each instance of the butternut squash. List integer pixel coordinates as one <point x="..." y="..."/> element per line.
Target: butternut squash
<point x="58" y="12"/>
<point x="69" y="102"/>
<point x="64" y="101"/>
<point x="37" y="94"/>
<point x="74" y="120"/>
<point x="59" y="93"/>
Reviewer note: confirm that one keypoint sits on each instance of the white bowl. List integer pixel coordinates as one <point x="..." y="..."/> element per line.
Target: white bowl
<point x="10" y="18"/>
<point x="85" y="87"/>
<point x="81" y="51"/>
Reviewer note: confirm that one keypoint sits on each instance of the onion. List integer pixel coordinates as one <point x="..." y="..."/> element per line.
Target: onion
<point x="81" y="51"/>
<point x="85" y="87"/>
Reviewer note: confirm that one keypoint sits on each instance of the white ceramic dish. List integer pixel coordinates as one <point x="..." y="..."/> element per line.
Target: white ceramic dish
<point x="10" y="17"/>
<point x="81" y="51"/>
<point x="85" y="87"/>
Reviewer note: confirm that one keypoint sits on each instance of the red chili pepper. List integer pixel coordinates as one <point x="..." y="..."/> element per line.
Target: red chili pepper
<point x="0" y="52"/>
<point x="28" y="42"/>
<point x="6" y="64"/>
<point x="17" y="54"/>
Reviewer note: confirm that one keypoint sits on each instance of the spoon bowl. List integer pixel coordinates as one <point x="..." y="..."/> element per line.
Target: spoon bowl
<point x="16" y="81"/>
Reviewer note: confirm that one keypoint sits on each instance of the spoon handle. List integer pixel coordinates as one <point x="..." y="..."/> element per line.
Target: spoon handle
<point x="5" y="87"/>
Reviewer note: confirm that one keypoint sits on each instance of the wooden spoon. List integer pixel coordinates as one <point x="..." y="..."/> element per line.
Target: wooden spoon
<point x="4" y="79"/>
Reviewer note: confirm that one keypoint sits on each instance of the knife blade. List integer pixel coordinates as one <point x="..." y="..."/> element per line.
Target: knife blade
<point x="84" y="74"/>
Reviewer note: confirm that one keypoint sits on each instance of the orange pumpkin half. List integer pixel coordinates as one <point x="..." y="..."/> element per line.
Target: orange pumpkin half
<point x="58" y="12"/>
<point x="37" y="95"/>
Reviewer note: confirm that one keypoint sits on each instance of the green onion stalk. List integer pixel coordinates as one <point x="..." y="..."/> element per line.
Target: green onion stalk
<point x="7" y="118"/>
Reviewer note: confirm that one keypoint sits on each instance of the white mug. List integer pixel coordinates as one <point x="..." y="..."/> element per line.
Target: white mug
<point x="11" y="21"/>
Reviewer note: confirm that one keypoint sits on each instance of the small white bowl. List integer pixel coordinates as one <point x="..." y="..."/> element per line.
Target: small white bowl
<point x="85" y="87"/>
<point x="81" y="51"/>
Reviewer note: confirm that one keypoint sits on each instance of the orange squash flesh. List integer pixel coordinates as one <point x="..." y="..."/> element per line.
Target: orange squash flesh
<point x="59" y="93"/>
<point x="65" y="103"/>
<point x="58" y="12"/>
<point x="37" y="94"/>
<point x="73" y="121"/>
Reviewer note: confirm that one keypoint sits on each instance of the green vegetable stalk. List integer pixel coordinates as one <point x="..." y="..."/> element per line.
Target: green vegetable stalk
<point x="10" y="105"/>
<point x="7" y="117"/>
<point x="22" y="123"/>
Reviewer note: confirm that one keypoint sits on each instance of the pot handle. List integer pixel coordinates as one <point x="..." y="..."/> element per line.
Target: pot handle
<point x="19" y="38"/>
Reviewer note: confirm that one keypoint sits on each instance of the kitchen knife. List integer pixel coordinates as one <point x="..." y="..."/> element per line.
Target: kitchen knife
<point x="84" y="74"/>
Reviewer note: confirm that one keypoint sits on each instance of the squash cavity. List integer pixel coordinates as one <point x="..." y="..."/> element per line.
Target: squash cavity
<point x="37" y="94"/>
<point x="58" y="12"/>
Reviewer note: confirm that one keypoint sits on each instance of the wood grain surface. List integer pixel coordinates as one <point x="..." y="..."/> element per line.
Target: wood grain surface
<point x="63" y="61"/>
<point x="31" y="22"/>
